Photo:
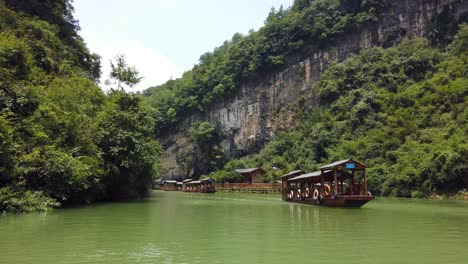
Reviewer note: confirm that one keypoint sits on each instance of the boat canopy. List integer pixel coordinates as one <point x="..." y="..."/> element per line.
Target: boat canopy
<point x="194" y="182"/>
<point x="345" y="164"/>
<point x="327" y="175"/>
<point x="170" y="181"/>
<point x="292" y="173"/>
<point x="209" y="180"/>
<point x="307" y="175"/>
<point x="249" y="170"/>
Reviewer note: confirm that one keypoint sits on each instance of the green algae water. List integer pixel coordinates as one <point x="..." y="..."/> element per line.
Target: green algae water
<point x="239" y="228"/>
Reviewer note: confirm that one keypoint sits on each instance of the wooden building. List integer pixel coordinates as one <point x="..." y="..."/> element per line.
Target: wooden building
<point x="251" y="175"/>
<point x="342" y="183"/>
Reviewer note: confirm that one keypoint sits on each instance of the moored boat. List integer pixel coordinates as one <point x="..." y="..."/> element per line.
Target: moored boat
<point x="342" y="183"/>
<point x="201" y="186"/>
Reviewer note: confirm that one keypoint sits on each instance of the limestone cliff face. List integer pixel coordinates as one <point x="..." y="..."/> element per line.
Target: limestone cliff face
<point x="257" y="111"/>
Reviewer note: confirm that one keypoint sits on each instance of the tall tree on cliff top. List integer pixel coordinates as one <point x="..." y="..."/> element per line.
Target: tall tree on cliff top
<point x="123" y="74"/>
<point x="129" y="152"/>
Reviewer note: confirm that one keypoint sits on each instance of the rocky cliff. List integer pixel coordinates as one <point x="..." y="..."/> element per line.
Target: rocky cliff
<point x="260" y="109"/>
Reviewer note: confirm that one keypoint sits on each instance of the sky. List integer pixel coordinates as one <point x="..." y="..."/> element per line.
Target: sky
<point x="165" y="38"/>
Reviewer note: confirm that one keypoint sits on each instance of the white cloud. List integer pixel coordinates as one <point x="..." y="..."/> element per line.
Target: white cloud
<point x="154" y="67"/>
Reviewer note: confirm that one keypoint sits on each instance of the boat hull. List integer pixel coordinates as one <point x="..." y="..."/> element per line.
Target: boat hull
<point x="354" y="201"/>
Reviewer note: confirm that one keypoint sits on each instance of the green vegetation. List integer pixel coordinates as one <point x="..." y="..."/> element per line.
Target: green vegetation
<point x="403" y="111"/>
<point x="243" y="58"/>
<point x="208" y="156"/>
<point x="62" y="140"/>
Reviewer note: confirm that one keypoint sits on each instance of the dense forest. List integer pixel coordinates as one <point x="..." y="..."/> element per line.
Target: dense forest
<point x="401" y="110"/>
<point x="286" y="32"/>
<point x="62" y="140"/>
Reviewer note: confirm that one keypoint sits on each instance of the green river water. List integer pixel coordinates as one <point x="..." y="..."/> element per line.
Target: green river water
<point x="174" y="227"/>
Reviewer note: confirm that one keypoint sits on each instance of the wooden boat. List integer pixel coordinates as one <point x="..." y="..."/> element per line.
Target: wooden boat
<point x="184" y="184"/>
<point x="202" y="186"/>
<point x="170" y="185"/>
<point x="342" y="183"/>
<point x="208" y="186"/>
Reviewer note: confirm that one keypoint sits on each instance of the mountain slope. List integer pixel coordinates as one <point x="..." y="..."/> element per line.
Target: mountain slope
<point x="262" y="104"/>
<point x="402" y="110"/>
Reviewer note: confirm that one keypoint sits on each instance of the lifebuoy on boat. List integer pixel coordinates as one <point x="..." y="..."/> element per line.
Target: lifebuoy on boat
<point x="299" y="193"/>
<point x="327" y="190"/>
<point x="316" y="194"/>
<point x="291" y="194"/>
<point x="307" y="192"/>
<point x="369" y="193"/>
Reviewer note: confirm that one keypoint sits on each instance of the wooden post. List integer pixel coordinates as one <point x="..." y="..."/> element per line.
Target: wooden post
<point x="336" y="180"/>
<point x="321" y="182"/>
<point x="352" y="183"/>
<point x="341" y="186"/>
<point x="365" y="182"/>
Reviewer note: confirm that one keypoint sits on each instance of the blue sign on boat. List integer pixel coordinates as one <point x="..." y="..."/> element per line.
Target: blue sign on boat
<point x="350" y="166"/>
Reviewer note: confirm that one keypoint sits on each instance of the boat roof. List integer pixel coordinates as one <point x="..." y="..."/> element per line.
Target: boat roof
<point x="249" y="170"/>
<point x="308" y="175"/>
<point x="206" y="179"/>
<point x="343" y="163"/>
<point x="292" y="173"/>
<point x="194" y="182"/>
<point x="187" y="180"/>
<point x="179" y="183"/>
<point x="170" y="181"/>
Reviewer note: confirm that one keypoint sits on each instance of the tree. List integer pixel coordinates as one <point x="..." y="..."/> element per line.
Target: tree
<point x="129" y="153"/>
<point x="122" y="73"/>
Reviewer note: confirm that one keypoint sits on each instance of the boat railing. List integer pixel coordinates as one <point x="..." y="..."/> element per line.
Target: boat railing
<point x="358" y="190"/>
<point x="248" y="185"/>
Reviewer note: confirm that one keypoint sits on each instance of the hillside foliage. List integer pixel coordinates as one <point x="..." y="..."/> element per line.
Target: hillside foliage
<point x="62" y="140"/>
<point x="403" y="111"/>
